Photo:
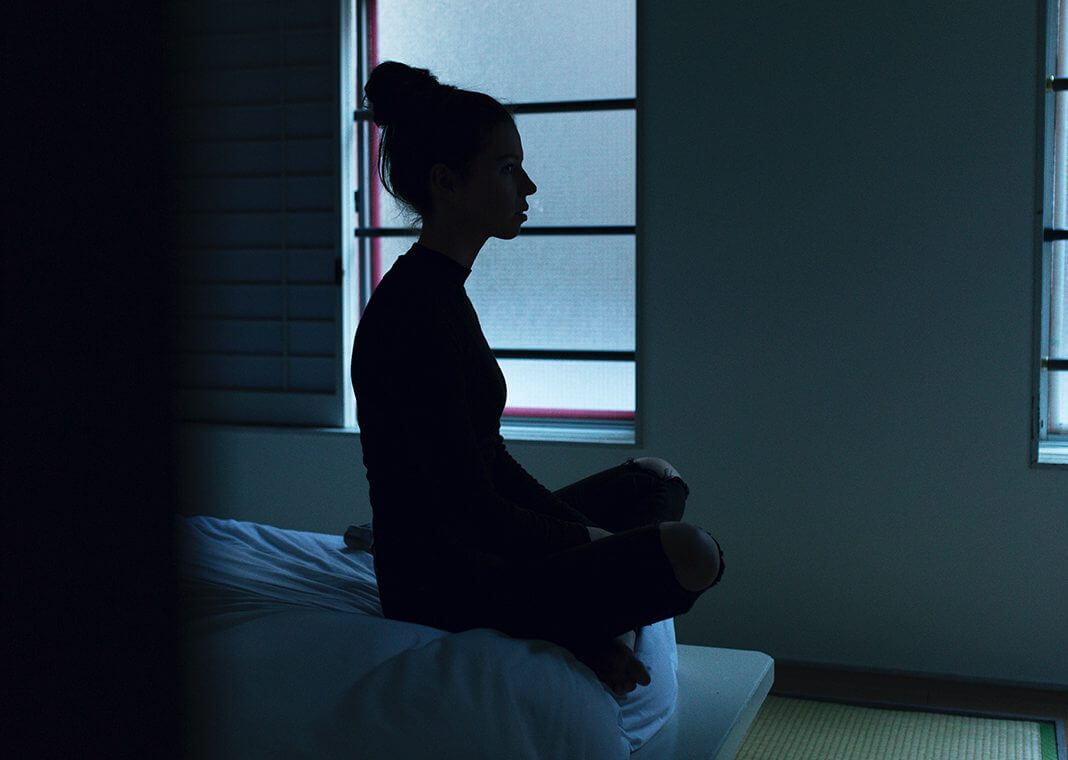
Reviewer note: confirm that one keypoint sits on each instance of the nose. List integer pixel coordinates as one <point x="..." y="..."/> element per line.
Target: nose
<point x="533" y="188"/>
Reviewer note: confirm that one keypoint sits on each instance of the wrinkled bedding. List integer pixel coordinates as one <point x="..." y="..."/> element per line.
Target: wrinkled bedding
<point x="287" y="655"/>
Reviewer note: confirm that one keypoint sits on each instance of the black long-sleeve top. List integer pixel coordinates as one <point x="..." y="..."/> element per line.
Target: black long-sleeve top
<point x="429" y="397"/>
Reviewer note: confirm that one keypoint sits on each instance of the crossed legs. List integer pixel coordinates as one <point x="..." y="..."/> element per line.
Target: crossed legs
<point x="695" y="556"/>
<point x="697" y="562"/>
<point x="589" y="597"/>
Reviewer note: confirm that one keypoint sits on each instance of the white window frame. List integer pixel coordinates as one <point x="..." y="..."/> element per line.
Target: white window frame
<point x="1047" y="448"/>
<point x="354" y="58"/>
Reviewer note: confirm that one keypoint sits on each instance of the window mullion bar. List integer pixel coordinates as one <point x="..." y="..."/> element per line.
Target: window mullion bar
<point x="575" y="230"/>
<point x="576" y="355"/>
<point x="559" y="106"/>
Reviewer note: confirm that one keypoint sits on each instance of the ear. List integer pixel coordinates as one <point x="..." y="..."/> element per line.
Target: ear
<point x="442" y="180"/>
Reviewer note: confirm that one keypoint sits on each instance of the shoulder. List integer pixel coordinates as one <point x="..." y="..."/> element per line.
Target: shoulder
<point x="407" y="312"/>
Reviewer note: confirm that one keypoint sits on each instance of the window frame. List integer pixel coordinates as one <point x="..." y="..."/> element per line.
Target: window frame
<point x="365" y="263"/>
<point x="1047" y="449"/>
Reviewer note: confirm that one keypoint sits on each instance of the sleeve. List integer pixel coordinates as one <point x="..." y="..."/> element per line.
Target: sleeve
<point x="443" y="458"/>
<point x="516" y="484"/>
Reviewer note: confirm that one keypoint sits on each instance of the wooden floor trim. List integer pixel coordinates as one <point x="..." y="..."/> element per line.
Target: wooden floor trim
<point x="917" y="691"/>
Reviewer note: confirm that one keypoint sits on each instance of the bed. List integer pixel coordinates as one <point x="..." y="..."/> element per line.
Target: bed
<point x="286" y="654"/>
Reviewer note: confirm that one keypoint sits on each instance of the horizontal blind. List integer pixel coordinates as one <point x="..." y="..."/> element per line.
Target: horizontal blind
<point x="257" y="165"/>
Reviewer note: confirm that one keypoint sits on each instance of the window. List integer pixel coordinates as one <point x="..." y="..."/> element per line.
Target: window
<point x="284" y="227"/>
<point x="558" y="303"/>
<point x="1051" y="301"/>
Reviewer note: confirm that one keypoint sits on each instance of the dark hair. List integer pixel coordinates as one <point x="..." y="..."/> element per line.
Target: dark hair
<point x="425" y="123"/>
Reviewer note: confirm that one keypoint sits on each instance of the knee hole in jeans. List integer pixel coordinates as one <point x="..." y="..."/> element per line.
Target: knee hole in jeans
<point x="659" y="467"/>
<point x="693" y="553"/>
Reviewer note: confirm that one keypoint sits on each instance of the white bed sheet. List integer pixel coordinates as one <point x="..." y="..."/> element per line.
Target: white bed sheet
<point x="288" y="656"/>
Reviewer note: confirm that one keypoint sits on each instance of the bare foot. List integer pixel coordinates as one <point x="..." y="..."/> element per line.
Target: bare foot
<point x="616" y="666"/>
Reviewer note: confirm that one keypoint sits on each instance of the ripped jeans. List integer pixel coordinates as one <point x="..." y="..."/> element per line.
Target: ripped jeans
<point x="587" y="593"/>
<point x="628" y="496"/>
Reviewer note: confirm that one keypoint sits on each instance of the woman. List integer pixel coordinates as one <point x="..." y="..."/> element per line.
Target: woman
<point x="464" y="537"/>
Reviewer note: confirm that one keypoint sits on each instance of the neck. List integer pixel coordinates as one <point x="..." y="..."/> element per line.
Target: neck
<point x="460" y="245"/>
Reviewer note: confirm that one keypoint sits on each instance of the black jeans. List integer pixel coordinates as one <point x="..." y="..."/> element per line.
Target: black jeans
<point x="583" y="595"/>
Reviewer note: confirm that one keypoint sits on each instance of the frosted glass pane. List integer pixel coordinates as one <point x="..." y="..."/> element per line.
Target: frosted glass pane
<point x="583" y="163"/>
<point x="386" y="251"/>
<point x="1058" y="317"/>
<point x="1058" y="392"/>
<point x="556" y="292"/>
<point x="1060" y="161"/>
<point x="549" y="292"/>
<point x="1058" y="339"/>
<point x="569" y="388"/>
<point x="1062" y="43"/>
<point x="530" y="51"/>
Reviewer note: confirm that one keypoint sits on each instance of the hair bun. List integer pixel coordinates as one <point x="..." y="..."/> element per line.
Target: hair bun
<point x="396" y="90"/>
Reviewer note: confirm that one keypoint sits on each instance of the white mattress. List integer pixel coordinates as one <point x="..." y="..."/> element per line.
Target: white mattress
<point x="720" y="694"/>
<point x="288" y="655"/>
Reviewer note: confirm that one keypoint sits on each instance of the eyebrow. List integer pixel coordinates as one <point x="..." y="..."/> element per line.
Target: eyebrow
<point x="509" y="155"/>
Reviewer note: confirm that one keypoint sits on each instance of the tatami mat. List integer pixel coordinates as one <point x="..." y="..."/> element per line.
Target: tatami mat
<point x="802" y="729"/>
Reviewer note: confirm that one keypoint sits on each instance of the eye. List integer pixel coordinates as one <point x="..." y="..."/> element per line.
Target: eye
<point x="508" y="167"/>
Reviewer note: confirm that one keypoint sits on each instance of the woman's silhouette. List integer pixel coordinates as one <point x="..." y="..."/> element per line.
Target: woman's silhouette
<point x="464" y="537"/>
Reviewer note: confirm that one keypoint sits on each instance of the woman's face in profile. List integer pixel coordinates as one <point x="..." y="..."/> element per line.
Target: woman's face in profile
<point x="498" y="187"/>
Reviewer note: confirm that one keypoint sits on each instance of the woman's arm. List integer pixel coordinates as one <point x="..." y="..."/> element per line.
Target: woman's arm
<point x="441" y="479"/>
<point x="515" y="483"/>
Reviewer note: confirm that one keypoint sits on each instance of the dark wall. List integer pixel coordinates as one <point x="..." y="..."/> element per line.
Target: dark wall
<point x="87" y="452"/>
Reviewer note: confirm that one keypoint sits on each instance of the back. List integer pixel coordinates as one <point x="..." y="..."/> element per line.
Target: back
<point x="444" y="492"/>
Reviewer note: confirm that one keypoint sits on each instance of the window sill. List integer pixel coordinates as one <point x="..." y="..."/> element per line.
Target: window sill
<point x="553" y="431"/>
<point x="1053" y="452"/>
<point x="562" y="431"/>
<point x="611" y="432"/>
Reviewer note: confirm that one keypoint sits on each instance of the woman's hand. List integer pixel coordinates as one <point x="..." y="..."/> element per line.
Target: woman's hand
<point x="616" y="665"/>
<point x="596" y="533"/>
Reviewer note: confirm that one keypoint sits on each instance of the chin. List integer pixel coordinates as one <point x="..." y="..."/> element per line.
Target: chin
<point x="508" y="234"/>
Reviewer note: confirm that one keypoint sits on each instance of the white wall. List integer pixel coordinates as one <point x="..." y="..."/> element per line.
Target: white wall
<point x="835" y="279"/>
